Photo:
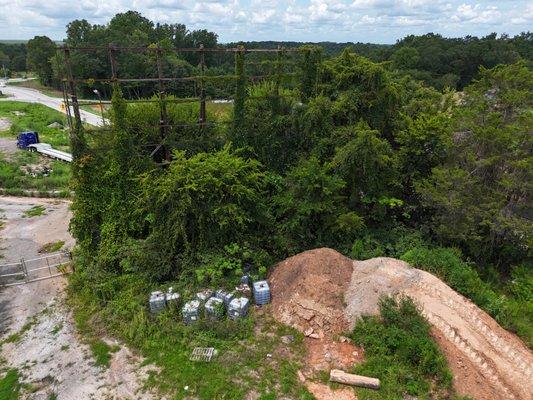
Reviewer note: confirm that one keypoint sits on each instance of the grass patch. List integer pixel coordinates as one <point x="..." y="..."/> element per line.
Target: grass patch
<point x="243" y="346"/>
<point x="220" y="111"/>
<point x="95" y="109"/>
<point x="13" y="179"/>
<point x="35" y="211"/>
<point x="401" y="353"/>
<point x="52" y="247"/>
<point x="35" y="117"/>
<point x="102" y="352"/>
<point x="10" y="385"/>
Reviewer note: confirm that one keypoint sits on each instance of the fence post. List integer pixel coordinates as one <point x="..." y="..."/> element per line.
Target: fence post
<point x="202" y="86"/>
<point x="24" y="269"/>
<point x="48" y="265"/>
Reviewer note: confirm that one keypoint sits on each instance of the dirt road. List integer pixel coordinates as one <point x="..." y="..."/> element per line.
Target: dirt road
<point x="46" y="349"/>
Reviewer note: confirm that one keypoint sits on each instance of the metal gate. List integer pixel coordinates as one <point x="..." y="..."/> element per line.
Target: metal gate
<point x="35" y="269"/>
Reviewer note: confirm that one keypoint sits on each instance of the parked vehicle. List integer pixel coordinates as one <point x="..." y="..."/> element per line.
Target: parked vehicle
<point x="24" y="139"/>
<point x="30" y="141"/>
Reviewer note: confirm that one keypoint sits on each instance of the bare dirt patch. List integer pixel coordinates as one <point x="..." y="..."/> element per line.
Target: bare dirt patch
<point x="8" y="146"/>
<point x="325" y="291"/>
<point x="52" y="360"/>
<point x="308" y="291"/>
<point x="44" y="344"/>
<point x="5" y="124"/>
<point x="308" y="294"/>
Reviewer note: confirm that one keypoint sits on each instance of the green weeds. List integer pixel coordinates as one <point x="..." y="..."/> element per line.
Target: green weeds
<point x="400" y="351"/>
<point x="102" y="352"/>
<point x="10" y="385"/>
<point x="35" y="211"/>
<point x="52" y="247"/>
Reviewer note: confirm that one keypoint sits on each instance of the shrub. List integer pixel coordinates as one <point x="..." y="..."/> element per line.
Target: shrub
<point x="400" y="351"/>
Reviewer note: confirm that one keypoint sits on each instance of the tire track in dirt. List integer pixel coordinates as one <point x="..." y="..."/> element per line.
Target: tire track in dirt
<point x="498" y="357"/>
<point x="485" y="365"/>
<point x="469" y="310"/>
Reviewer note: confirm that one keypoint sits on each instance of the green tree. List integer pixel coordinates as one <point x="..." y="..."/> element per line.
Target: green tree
<point x="405" y="58"/>
<point x="367" y="164"/>
<point x="481" y="195"/>
<point x="361" y="90"/>
<point x="40" y="50"/>
<point x="309" y="206"/>
<point x="199" y="204"/>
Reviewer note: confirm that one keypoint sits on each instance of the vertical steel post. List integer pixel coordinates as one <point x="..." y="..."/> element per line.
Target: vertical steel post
<point x="112" y="62"/>
<point x="277" y="80"/>
<point x="163" y="117"/>
<point x="66" y="103"/>
<point x="77" y="141"/>
<point x="72" y="88"/>
<point x="202" y="86"/>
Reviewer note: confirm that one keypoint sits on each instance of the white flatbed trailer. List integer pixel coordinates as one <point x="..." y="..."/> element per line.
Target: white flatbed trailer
<point x="47" y="150"/>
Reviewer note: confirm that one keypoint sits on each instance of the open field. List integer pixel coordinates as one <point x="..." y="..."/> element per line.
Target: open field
<point x="20" y="169"/>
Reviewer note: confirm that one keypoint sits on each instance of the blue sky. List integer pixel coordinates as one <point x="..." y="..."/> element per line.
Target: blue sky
<point x="377" y="21"/>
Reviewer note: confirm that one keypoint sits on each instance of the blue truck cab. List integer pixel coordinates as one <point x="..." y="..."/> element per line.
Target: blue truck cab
<point x="24" y="139"/>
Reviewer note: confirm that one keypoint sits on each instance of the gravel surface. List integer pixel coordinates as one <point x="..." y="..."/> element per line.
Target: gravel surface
<point x="50" y="355"/>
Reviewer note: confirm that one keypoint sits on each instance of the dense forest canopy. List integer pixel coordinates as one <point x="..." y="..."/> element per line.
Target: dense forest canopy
<point x="13" y="57"/>
<point x="437" y="61"/>
<point x="353" y="154"/>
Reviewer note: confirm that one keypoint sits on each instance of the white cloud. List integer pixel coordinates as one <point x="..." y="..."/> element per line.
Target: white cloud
<point x="477" y="14"/>
<point x="309" y="20"/>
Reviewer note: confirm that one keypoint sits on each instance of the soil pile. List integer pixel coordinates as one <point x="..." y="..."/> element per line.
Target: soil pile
<point x="327" y="292"/>
<point x="308" y="291"/>
<point x="308" y="294"/>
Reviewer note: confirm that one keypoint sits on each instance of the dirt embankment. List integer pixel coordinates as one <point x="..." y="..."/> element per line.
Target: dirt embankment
<point x="327" y="292"/>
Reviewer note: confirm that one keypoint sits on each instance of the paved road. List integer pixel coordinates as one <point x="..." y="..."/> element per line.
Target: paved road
<point x="34" y="96"/>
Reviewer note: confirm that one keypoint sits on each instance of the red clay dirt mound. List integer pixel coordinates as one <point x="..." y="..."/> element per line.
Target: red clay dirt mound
<point x="308" y="291"/>
<point x="308" y="294"/>
<point x="322" y="293"/>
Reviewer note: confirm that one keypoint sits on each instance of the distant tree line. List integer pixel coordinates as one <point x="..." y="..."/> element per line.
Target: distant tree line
<point x="435" y="60"/>
<point x="440" y="62"/>
<point x="13" y="57"/>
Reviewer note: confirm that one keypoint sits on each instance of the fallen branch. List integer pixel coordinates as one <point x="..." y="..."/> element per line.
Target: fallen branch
<point x="336" y="375"/>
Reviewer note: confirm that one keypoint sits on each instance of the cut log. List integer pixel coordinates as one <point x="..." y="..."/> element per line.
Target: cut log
<point x="336" y="375"/>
